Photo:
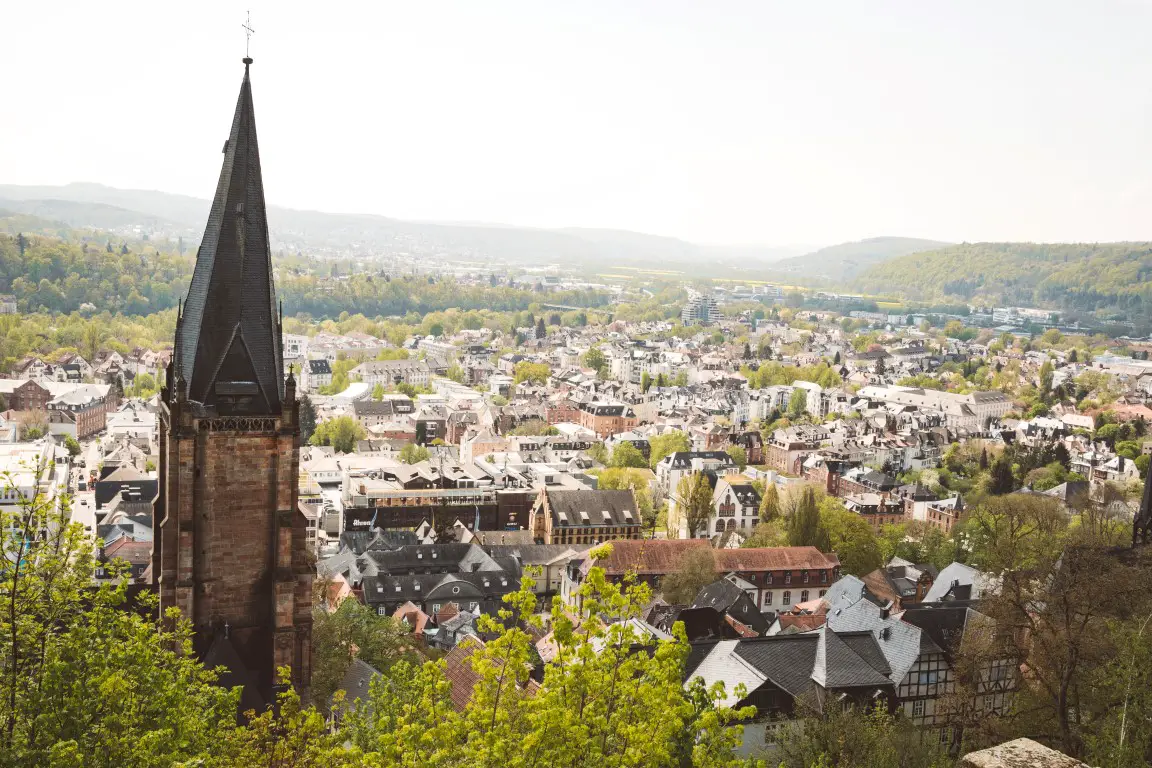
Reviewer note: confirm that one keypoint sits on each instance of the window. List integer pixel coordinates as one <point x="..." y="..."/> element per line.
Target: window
<point x="823" y="577"/>
<point x="767" y="598"/>
<point x="989" y="703"/>
<point x="945" y="735"/>
<point x="436" y="608"/>
<point x="787" y="598"/>
<point x="804" y="577"/>
<point x="788" y="577"/>
<point x="823" y="592"/>
<point x="804" y="596"/>
<point x="918" y="708"/>
<point x="473" y="607"/>
<point x="927" y="678"/>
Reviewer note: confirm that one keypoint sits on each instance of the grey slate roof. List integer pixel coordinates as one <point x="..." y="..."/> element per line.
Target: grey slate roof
<point x="786" y="660"/>
<point x="229" y="330"/>
<point x="567" y="507"/>
<point x="838" y="665"/>
<point x="899" y="642"/>
<point x="356" y="682"/>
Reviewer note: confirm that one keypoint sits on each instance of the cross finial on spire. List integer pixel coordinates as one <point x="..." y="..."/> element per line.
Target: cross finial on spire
<point x="248" y="32"/>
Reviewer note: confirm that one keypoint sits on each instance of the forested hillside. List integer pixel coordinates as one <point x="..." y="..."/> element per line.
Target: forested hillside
<point x="846" y="260"/>
<point x="50" y="274"/>
<point x="1112" y="279"/>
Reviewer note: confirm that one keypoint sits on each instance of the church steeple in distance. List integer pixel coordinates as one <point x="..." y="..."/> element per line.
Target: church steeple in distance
<point x="229" y="351"/>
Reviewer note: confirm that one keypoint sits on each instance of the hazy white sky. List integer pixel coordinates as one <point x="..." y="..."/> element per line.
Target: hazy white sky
<point x="726" y="122"/>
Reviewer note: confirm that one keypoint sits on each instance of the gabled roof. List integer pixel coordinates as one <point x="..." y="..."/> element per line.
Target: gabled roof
<point x="615" y="508"/>
<point x="849" y="660"/>
<point x="774" y="558"/>
<point x="228" y="341"/>
<point x="648" y="556"/>
<point x="356" y="682"/>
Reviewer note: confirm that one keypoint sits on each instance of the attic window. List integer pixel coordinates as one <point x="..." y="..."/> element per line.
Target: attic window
<point x="434" y="555"/>
<point x="486" y="582"/>
<point x="380" y="587"/>
<point x="455" y="590"/>
<point x="419" y="555"/>
<point x="416" y="586"/>
<point x="397" y="587"/>
<point x="628" y="515"/>
<point x="607" y="516"/>
<point x="503" y="582"/>
<point x="584" y="516"/>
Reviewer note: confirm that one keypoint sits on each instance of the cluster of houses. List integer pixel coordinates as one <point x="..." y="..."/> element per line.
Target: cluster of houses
<point x="508" y="485"/>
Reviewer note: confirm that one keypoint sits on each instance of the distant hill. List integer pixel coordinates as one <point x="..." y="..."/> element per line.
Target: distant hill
<point x="1113" y="279"/>
<point x="845" y="261"/>
<point x="86" y="215"/>
<point x="95" y="205"/>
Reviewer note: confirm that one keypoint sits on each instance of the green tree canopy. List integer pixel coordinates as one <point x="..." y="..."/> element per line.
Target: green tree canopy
<point x="533" y="373"/>
<point x="412" y="453"/>
<point x="694" y="502"/>
<point x="627" y="455"/>
<point x="739" y="455"/>
<point x="665" y="444"/>
<point x="769" y="504"/>
<point x="697" y="570"/>
<point x="341" y="433"/>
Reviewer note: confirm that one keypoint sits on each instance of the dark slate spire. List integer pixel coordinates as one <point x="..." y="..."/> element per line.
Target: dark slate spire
<point x="228" y="345"/>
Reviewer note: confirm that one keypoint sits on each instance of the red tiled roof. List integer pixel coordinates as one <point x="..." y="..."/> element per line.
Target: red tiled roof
<point x="878" y="584"/>
<point x="802" y="622"/>
<point x="447" y="612"/>
<point x="459" y="673"/>
<point x="125" y="548"/>
<point x="774" y="559"/>
<point x="741" y="629"/>
<point x="411" y="613"/>
<point x="648" y="556"/>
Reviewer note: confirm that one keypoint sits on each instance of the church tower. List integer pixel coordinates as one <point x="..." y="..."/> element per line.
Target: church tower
<point x="230" y="545"/>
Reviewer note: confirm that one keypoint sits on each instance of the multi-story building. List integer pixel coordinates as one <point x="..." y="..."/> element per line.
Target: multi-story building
<point x="80" y="412"/>
<point x="735" y="506"/>
<point x="584" y="517"/>
<point x="777" y="578"/>
<point x="393" y="372"/>
<point x="372" y="413"/>
<point x="973" y="411"/>
<point x="700" y="310"/>
<point x="24" y="394"/>
<point x="316" y="374"/>
<point x="607" y="419"/>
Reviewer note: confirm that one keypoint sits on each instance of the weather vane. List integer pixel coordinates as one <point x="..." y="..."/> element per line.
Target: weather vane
<point x="248" y="32"/>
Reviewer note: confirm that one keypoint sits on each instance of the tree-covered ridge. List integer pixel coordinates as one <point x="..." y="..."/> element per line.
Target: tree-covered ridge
<point x="1110" y="277"/>
<point x="64" y="273"/>
<point x="846" y="260"/>
<point x="57" y="275"/>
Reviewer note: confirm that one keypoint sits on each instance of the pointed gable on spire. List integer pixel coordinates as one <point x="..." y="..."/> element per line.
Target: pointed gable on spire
<point x="228" y="343"/>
